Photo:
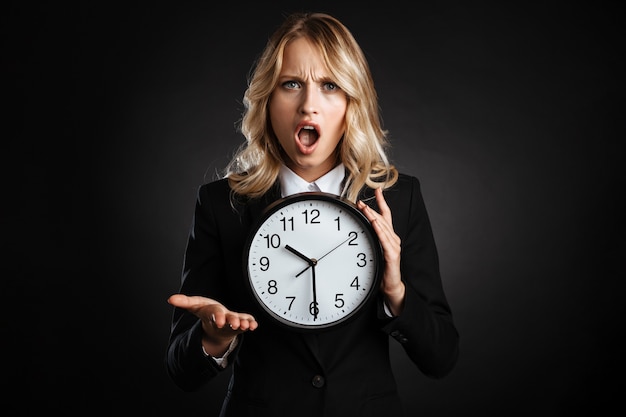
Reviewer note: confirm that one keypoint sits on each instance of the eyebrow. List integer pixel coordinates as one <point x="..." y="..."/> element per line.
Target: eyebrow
<point x="324" y="78"/>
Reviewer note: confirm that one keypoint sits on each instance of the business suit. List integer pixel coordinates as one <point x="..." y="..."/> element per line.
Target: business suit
<point x="342" y="372"/>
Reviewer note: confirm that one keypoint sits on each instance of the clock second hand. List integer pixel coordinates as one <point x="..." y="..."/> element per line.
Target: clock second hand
<point x="324" y="255"/>
<point x="313" y="259"/>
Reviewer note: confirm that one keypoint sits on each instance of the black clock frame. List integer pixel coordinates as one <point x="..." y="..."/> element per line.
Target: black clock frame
<point x="349" y="206"/>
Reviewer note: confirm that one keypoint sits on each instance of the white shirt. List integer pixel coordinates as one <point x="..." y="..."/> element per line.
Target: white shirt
<point x="331" y="182"/>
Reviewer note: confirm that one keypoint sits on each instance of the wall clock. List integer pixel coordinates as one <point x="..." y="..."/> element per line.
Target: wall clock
<point x="313" y="261"/>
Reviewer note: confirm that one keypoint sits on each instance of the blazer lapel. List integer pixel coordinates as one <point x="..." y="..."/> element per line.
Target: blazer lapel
<point x="254" y="208"/>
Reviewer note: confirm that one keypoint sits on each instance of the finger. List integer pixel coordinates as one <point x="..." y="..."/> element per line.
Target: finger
<point x="385" y="211"/>
<point x="381" y="225"/>
<point x="249" y="324"/>
<point x="378" y="222"/>
<point x="389" y="240"/>
<point x="386" y="231"/>
<point x="371" y="214"/>
<point x="382" y="229"/>
<point x="219" y="319"/>
<point x="178" y="300"/>
<point x="185" y="301"/>
<point x="366" y="210"/>
<point x="385" y="214"/>
<point x="243" y="322"/>
<point x="234" y="322"/>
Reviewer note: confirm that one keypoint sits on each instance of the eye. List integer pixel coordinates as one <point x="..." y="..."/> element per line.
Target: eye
<point x="330" y="86"/>
<point x="291" y="85"/>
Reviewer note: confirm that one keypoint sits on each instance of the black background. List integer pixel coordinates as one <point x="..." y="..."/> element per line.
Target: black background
<point x="510" y="114"/>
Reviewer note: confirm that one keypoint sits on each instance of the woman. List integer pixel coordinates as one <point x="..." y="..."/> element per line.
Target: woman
<point x="311" y="123"/>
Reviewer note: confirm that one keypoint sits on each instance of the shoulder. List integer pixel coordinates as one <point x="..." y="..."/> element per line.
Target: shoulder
<point x="214" y="193"/>
<point x="406" y="180"/>
<point x="406" y="184"/>
<point x="403" y="189"/>
<point x="216" y="186"/>
<point x="216" y="207"/>
<point x="405" y="195"/>
<point x="220" y="197"/>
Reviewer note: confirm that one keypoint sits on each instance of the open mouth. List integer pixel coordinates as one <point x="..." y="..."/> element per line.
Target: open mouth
<point x="308" y="136"/>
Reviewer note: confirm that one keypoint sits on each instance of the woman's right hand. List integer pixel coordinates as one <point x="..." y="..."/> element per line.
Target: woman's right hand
<point x="220" y="325"/>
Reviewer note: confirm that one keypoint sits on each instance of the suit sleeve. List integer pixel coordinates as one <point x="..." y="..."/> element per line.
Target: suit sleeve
<point x="185" y="360"/>
<point x="425" y="328"/>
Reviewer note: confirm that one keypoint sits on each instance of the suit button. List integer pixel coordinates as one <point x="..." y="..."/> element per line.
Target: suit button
<point x="318" y="381"/>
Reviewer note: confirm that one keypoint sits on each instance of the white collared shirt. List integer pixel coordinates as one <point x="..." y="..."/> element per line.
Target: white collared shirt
<point x="331" y="182"/>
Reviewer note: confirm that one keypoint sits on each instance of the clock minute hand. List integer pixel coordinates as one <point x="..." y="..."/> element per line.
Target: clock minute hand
<point x="312" y="262"/>
<point x="314" y="306"/>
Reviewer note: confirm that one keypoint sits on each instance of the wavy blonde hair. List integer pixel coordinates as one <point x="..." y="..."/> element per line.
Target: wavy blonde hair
<point x="254" y="167"/>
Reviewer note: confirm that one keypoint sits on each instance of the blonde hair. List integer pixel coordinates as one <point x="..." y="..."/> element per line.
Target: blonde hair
<point x="254" y="168"/>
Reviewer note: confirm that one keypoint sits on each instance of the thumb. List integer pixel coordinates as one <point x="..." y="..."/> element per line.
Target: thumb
<point x="187" y="302"/>
<point x="178" y="300"/>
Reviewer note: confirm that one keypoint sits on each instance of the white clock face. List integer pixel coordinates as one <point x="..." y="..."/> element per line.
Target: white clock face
<point x="313" y="262"/>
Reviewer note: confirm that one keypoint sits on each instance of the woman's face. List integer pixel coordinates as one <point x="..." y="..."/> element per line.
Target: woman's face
<point x="307" y="111"/>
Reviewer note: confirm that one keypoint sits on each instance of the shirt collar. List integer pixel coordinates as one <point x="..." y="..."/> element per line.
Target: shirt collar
<point x="331" y="182"/>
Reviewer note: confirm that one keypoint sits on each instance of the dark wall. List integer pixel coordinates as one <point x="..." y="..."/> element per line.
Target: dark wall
<point x="511" y="116"/>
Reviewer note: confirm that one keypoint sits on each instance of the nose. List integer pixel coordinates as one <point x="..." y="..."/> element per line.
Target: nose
<point x="310" y="100"/>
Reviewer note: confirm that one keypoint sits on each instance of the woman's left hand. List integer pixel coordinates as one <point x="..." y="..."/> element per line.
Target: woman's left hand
<point x="392" y="285"/>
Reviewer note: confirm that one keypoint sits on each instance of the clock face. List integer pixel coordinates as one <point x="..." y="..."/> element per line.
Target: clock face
<point x="313" y="261"/>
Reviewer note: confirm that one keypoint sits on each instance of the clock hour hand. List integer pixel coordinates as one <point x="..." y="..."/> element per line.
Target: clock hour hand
<point x="299" y="254"/>
<point x="310" y="261"/>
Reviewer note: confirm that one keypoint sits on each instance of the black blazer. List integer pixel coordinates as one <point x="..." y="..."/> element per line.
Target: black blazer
<point x="343" y="372"/>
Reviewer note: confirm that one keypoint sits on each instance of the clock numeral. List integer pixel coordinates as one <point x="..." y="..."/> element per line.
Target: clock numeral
<point x="284" y="221"/>
<point x="272" y="241"/>
<point x="338" y="223"/>
<point x="353" y="236"/>
<point x="362" y="261"/>
<point x="314" y="214"/>
<point x="339" y="301"/>
<point x="272" y="286"/>
<point x="290" y="302"/>
<point x="265" y="263"/>
<point x="314" y="309"/>
<point x="355" y="283"/>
